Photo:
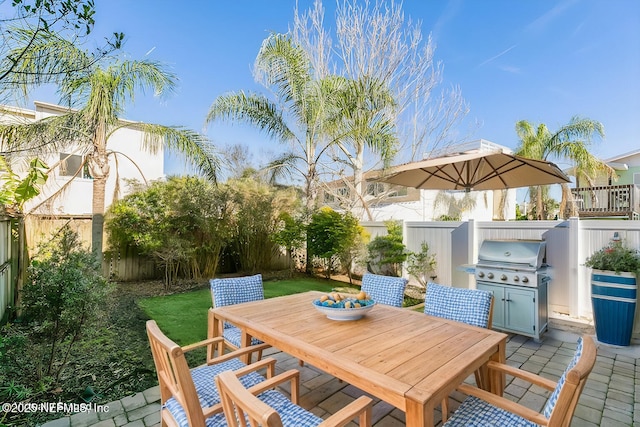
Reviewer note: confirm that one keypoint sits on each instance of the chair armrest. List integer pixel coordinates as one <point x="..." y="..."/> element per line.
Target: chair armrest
<point x="269" y="363"/>
<point x="202" y="343"/>
<point x="237" y="353"/>
<point x="361" y="408"/>
<point x="292" y="375"/>
<point x="527" y="376"/>
<point x="217" y="408"/>
<point x="505" y="404"/>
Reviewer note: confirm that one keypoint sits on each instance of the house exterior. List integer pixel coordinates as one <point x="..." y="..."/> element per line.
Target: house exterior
<point x="392" y="202"/>
<point x="610" y="197"/>
<point x="129" y="161"/>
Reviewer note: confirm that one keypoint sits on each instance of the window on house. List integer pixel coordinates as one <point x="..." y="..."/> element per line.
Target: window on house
<point x="375" y="188"/>
<point x="328" y="197"/>
<point x="398" y="192"/>
<point x="343" y="192"/>
<point x="70" y="163"/>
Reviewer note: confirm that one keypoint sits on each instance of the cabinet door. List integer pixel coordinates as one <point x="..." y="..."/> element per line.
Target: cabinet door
<point x="498" y="303"/>
<point x="520" y="310"/>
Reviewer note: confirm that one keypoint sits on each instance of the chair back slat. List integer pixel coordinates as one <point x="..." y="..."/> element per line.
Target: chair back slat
<point x="174" y="376"/>
<point x="241" y="408"/>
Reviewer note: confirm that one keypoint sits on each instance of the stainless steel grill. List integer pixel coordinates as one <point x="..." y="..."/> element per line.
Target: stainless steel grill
<point x="512" y="262"/>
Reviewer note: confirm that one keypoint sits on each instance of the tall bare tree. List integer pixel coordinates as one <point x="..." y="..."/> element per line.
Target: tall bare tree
<point x="376" y="42"/>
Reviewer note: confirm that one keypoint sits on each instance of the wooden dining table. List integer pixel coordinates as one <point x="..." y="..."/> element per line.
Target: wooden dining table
<point x="404" y="357"/>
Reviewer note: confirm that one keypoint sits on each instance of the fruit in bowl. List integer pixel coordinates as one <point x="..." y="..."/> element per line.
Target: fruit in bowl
<point x="338" y="300"/>
<point x="337" y="306"/>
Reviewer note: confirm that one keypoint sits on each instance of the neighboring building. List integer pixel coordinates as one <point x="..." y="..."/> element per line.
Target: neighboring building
<point x="610" y="197"/>
<point x="75" y="197"/>
<point x="390" y="202"/>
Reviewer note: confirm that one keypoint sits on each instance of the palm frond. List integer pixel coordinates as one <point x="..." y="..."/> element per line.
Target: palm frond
<point x="195" y="147"/>
<point x="40" y="57"/>
<point x="285" y="65"/>
<point x="46" y="136"/>
<point x="253" y="109"/>
<point x="281" y="167"/>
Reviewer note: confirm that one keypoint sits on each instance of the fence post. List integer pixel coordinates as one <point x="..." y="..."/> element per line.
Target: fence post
<point x="576" y="287"/>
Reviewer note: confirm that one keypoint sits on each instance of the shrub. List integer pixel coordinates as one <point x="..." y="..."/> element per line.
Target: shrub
<point x="333" y="237"/>
<point x="61" y="296"/>
<point x="421" y="264"/>
<point x="387" y="253"/>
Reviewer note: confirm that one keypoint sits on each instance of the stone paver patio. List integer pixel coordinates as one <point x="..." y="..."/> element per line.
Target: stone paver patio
<point x="610" y="398"/>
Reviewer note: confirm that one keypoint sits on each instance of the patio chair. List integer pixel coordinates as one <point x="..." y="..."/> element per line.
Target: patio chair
<point x="386" y="290"/>
<point x="484" y="408"/>
<point x="189" y="396"/>
<point x="235" y="290"/>
<point x="272" y="409"/>
<point x="470" y="306"/>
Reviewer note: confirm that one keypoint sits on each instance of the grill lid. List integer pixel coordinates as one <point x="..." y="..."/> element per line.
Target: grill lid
<point x="530" y="253"/>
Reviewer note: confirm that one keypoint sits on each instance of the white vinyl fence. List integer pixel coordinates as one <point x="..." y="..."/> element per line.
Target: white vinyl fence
<point x="7" y="262"/>
<point x="569" y="243"/>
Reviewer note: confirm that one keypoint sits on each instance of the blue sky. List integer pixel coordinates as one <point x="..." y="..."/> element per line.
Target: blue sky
<point x="538" y="60"/>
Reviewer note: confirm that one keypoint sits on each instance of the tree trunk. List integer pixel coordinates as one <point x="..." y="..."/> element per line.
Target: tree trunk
<point x="99" y="169"/>
<point x="97" y="220"/>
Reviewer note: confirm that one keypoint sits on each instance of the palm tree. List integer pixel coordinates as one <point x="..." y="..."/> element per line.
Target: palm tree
<point x="299" y="116"/>
<point x="99" y="95"/>
<point x="365" y="120"/>
<point x="571" y="142"/>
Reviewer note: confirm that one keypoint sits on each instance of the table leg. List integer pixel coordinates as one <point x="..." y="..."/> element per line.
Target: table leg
<point x="497" y="379"/>
<point x="245" y="341"/>
<point x="419" y="415"/>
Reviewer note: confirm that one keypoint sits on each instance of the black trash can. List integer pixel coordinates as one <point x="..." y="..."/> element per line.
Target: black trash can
<point x="614" y="299"/>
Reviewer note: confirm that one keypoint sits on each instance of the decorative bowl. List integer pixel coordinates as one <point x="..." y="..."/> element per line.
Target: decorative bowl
<point x="341" y="313"/>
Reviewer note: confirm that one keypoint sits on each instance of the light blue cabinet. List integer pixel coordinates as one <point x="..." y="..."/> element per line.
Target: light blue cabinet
<point x="519" y="309"/>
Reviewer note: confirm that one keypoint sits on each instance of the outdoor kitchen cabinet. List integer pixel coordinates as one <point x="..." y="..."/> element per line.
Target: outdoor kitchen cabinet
<point x="519" y="309"/>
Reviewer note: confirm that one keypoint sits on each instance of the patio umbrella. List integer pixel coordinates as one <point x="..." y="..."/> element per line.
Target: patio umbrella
<point x="481" y="170"/>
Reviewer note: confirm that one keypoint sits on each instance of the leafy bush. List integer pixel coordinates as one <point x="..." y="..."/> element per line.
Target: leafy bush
<point x="64" y="289"/>
<point x="333" y="237"/>
<point x="422" y="265"/>
<point x="387" y="253"/>
<point x="187" y="224"/>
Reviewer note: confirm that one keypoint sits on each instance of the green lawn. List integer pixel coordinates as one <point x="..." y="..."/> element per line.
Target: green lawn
<point x="183" y="317"/>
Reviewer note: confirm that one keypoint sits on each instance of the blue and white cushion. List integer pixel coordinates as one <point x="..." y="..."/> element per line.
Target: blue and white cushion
<point x="478" y="413"/>
<point x="384" y="289"/>
<point x="204" y="381"/>
<point x="236" y="290"/>
<point x="233" y="335"/>
<point x="470" y="306"/>
<point x="291" y="414"/>
<point x="551" y="403"/>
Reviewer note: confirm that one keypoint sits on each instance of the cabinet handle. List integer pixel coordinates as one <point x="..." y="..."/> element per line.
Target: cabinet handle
<point x="507" y="300"/>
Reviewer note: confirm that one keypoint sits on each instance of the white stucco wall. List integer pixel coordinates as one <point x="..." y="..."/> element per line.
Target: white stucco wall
<point x="76" y="198"/>
<point x="486" y="207"/>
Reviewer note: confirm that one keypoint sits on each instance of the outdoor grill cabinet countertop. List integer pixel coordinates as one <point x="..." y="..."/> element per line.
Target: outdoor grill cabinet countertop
<point x="406" y="358"/>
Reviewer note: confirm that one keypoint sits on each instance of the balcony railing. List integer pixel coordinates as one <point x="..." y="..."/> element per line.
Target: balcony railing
<point x="610" y="200"/>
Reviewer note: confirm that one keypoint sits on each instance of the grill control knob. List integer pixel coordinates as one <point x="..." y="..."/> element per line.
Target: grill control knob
<point x="503" y="277"/>
<point x="490" y="275"/>
<point x="525" y="279"/>
<point x="480" y="274"/>
<point x="516" y="278"/>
